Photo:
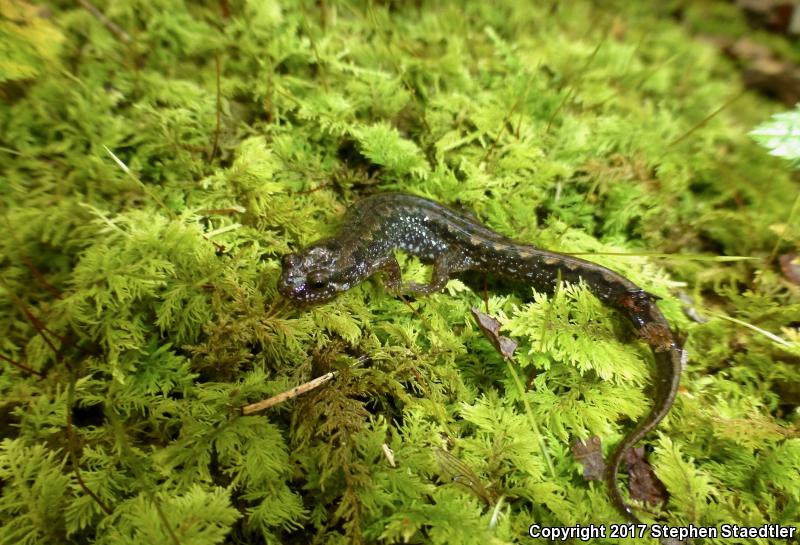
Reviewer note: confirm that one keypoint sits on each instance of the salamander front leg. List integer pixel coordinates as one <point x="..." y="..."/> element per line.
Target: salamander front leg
<point x="439" y="276"/>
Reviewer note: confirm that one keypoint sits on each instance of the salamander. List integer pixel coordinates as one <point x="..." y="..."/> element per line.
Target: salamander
<point x="452" y="242"/>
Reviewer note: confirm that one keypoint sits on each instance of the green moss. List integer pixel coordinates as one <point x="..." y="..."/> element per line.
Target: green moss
<point x="149" y="188"/>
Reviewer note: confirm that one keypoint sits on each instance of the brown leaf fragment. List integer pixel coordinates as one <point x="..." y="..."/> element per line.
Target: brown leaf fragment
<point x="773" y="15"/>
<point x="643" y="484"/>
<point x="590" y="456"/>
<point x="491" y="328"/>
<point x="790" y="265"/>
<point x="763" y="71"/>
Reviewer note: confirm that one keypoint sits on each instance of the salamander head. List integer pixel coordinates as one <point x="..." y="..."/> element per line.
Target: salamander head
<point x="312" y="276"/>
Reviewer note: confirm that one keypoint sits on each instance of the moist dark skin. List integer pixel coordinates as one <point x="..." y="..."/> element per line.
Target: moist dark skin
<point x="380" y="224"/>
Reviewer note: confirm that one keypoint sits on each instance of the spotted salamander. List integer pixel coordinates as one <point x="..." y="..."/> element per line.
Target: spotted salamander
<point x="378" y="225"/>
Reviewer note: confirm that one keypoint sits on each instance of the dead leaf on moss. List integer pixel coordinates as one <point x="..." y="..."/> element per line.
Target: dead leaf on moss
<point x="491" y="328"/>
<point x="790" y="265"/>
<point x="590" y="456"/>
<point x="774" y="15"/>
<point x="642" y="481"/>
<point x="765" y="72"/>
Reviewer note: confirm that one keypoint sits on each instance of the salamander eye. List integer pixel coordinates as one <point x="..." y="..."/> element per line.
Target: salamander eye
<point x="317" y="280"/>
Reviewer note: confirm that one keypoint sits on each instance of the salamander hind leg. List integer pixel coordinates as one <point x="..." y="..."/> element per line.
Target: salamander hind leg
<point x="440" y="274"/>
<point x="393" y="279"/>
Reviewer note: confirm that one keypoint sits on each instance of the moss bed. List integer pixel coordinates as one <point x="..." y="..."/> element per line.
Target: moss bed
<point x="158" y="157"/>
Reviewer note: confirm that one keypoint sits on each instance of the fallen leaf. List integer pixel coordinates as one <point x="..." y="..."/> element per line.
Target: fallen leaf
<point x="642" y="481"/>
<point x="491" y="328"/>
<point x="765" y="72"/>
<point x="590" y="456"/>
<point x="790" y="265"/>
<point x="774" y="15"/>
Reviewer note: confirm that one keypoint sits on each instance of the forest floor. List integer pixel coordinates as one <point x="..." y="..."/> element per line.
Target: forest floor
<point x="158" y="158"/>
